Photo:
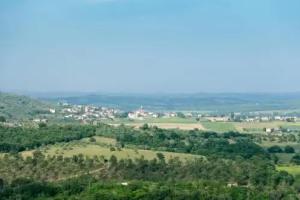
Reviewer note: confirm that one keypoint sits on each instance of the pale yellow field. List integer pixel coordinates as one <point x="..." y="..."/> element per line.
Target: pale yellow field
<point x="183" y="126"/>
<point x="213" y="126"/>
<point x="257" y="125"/>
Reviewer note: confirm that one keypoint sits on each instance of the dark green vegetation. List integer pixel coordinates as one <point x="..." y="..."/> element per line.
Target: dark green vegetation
<point x="234" y="167"/>
<point x="203" y="101"/>
<point x="38" y="177"/>
<point x="19" y="139"/>
<point x="296" y="159"/>
<point x="278" y="149"/>
<point x="282" y="146"/>
<point x="90" y="188"/>
<point x="2" y="119"/>
<point x="227" y="145"/>
<point x="21" y="107"/>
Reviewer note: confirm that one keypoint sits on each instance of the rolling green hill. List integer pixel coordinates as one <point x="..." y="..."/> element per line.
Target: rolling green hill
<point x="15" y="107"/>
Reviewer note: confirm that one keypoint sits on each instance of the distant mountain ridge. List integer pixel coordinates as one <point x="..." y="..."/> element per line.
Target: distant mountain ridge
<point x="23" y="107"/>
<point x="224" y="102"/>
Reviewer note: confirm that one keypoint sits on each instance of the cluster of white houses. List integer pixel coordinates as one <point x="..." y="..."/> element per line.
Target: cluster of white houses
<point x="271" y="118"/>
<point x="95" y="113"/>
<point x="141" y="114"/>
<point x="87" y="112"/>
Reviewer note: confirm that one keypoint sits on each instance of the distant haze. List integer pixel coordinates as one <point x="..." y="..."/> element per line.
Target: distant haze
<point x="150" y="46"/>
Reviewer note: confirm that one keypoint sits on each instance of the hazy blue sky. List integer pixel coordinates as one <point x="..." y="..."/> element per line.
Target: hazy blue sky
<point x="150" y="45"/>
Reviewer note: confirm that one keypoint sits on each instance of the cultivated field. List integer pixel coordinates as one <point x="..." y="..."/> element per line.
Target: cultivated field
<point x="295" y="145"/>
<point x="191" y="123"/>
<point x="155" y="120"/>
<point x="292" y="169"/>
<point x="165" y="123"/>
<point x="183" y="126"/>
<point x="219" y="126"/>
<point x="259" y="126"/>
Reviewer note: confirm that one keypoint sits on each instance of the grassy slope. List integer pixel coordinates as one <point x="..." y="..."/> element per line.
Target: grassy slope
<point x="102" y="147"/>
<point x="292" y="169"/>
<point x="296" y="145"/>
<point x="284" y="158"/>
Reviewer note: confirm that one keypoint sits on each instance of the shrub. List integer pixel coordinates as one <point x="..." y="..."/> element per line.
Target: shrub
<point x="289" y="149"/>
<point x="2" y="119"/>
<point x="275" y="149"/>
<point x="296" y="159"/>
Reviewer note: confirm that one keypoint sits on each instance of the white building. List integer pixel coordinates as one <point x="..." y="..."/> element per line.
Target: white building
<point x="264" y="119"/>
<point x="269" y="130"/>
<point x="52" y="110"/>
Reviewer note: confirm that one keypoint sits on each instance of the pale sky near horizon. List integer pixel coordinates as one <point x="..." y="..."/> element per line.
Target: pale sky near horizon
<point x="150" y="45"/>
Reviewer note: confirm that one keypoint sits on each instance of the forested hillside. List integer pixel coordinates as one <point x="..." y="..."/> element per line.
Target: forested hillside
<point x="228" y="165"/>
<point x="22" y="107"/>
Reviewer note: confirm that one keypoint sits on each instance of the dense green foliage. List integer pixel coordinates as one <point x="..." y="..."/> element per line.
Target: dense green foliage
<point x="2" y="119"/>
<point x="275" y="149"/>
<point x="227" y="145"/>
<point x="90" y="188"/>
<point x="255" y="171"/>
<point x="158" y="179"/>
<point x="278" y="149"/>
<point x="296" y="159"/>
<point x="18" y="138"/>
<point x="234" y="167"/>
<point x="289" y="149"/>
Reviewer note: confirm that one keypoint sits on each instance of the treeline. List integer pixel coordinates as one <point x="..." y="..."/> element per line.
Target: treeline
<point x="196" y="179"/>
<point x="227" y="145"/>
<point x="278" y="149"/>
<point x="254" y="172"/>
<point x="16" y="139"/>
<point x="93" y="189"/>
